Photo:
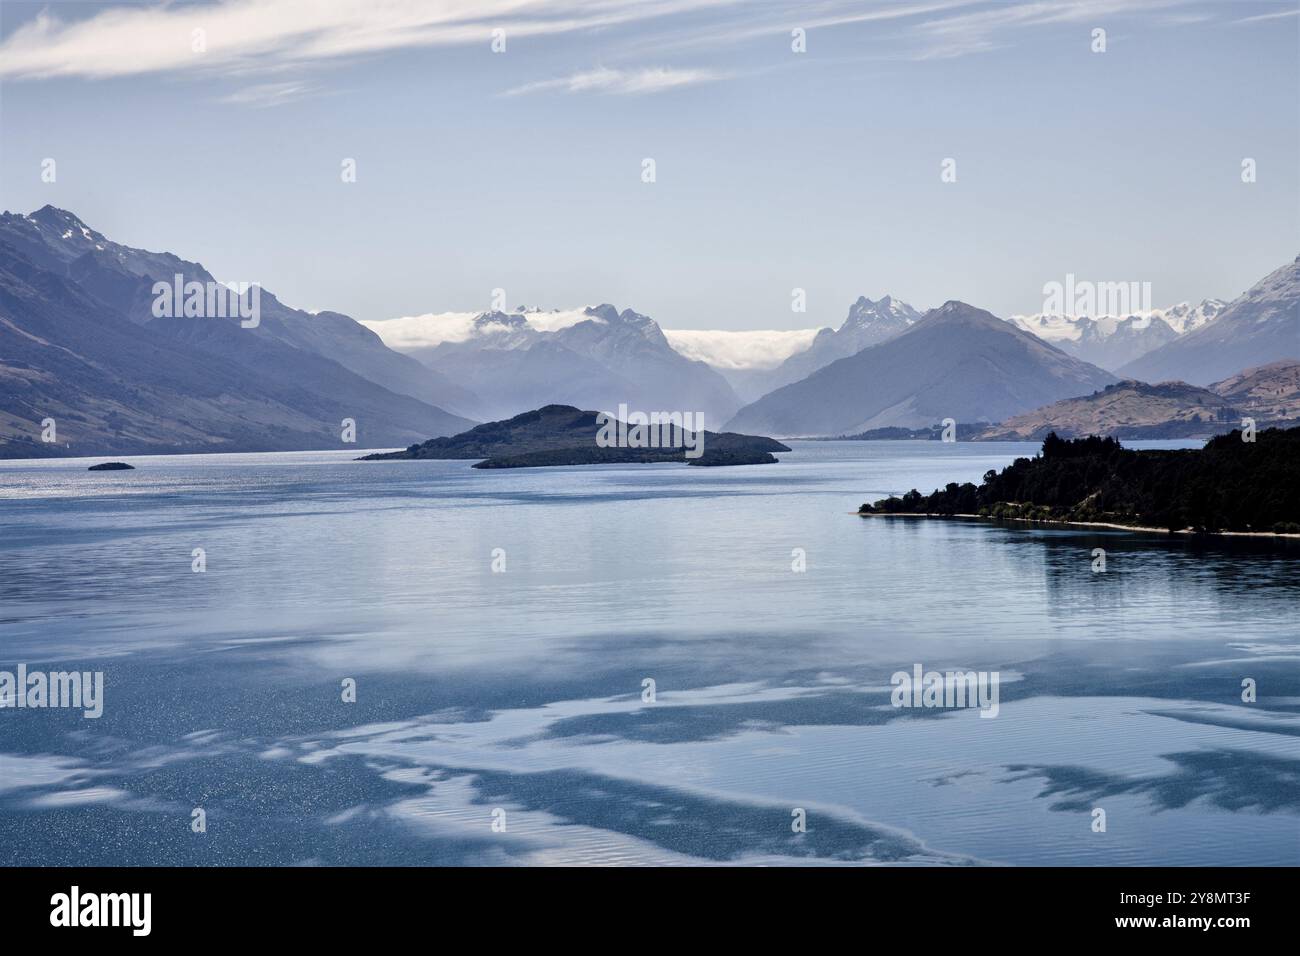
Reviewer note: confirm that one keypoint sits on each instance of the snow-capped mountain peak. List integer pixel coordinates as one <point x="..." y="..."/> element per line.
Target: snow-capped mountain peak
<point x="1183" y="318"/>
<point x="1112" y="340"/>
<point x="1260" y="326"/>
<point x="605" y="312"/>
<point x="610" y="316"/>
<point x="886" y="310"/>
<point x="64" y="229"/>
<point x="591" y="357"/>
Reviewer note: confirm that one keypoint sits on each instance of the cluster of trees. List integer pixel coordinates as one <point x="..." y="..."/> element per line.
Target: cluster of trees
<point x="966" y="431"/>
<point x="1229" y="485"/>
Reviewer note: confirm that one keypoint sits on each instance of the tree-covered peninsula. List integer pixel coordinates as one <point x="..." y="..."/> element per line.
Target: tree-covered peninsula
<point x="1229" y="485"/>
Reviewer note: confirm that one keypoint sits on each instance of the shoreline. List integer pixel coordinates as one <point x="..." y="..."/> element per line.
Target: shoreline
<point x="1081" y="524"/>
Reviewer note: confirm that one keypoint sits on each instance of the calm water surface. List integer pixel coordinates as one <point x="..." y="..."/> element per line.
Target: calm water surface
<point x="522" y="691"/>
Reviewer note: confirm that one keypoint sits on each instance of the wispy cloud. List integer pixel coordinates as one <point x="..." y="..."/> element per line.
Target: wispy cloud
<point x="269" y="94"/>
<point x="1292" y="12"/>
<point x="775" y="21"/>
<point x="991" y="28"/>
<point x="907" y="29"/>
<point x="122" y="41"/>
<point x="239" y="37"/>
<point x="602" y="80"/>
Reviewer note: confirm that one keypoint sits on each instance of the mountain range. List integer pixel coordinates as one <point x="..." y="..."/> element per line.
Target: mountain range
<point x="1112" y="341"/>
<point x="1260" y="326"/>
<point x="79" y="344"/>
<point x="868" y="323"/>
<point x="598" y="357"/>
<point x="957" y="362"/>
<point x="745" y="359"/>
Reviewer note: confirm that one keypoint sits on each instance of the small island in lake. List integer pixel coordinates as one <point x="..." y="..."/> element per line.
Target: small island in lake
<point x="112" y="466"/>
<point x="1229" y="486"/>
<point x="564" y="435"/>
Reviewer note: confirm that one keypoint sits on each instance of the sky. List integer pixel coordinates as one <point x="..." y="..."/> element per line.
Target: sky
<point x="775" y="170"/>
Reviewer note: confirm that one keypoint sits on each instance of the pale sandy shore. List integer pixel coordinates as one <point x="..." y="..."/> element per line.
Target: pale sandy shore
<point x="1079" y="524"/>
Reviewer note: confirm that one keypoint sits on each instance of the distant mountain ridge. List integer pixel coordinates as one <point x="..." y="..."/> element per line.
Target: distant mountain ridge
<point x="1260" y="326"/>
<point x="957" y="362"/>
<point x="867" y="323"/>
<point x="1111" y="341"/>
<point x="600" y="357"/>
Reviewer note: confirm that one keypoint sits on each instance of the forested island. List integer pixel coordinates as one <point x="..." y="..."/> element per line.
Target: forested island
<point x="564" y="435"/>
<point x="1230" y="485"/>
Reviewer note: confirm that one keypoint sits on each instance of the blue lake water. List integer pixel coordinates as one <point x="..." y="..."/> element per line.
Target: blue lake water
<point x="485" y="697"/>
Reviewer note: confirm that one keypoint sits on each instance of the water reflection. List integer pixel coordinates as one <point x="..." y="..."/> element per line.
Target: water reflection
<point x="522" y="690"/>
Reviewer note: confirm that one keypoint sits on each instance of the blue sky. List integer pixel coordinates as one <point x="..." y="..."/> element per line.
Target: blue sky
<point x="522" y="170"/>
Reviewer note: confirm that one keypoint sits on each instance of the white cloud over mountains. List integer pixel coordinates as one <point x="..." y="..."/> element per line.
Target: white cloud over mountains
<point x="749" y="349"/>
<point x="434" y="328"/>
<point x="724" y="349"/>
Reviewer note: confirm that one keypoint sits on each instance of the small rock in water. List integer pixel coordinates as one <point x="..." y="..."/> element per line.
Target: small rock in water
<point x="112" y="466"/>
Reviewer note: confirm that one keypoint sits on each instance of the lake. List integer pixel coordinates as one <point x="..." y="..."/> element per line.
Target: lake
<point x="502" y="629"/>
